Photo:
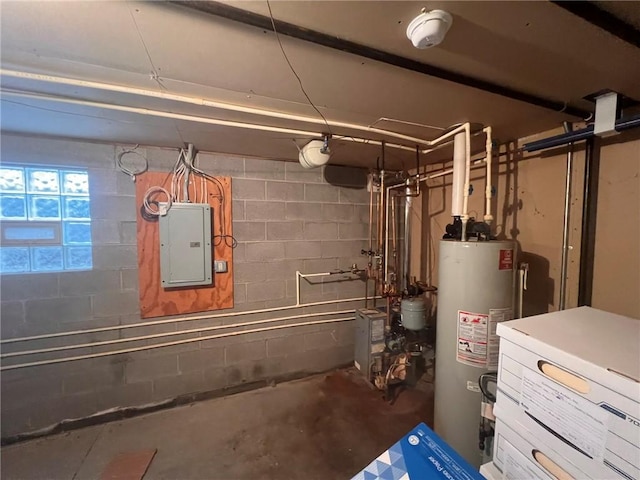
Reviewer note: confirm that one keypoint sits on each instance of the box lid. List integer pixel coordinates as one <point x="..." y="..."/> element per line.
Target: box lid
<point x="605" y="339"/>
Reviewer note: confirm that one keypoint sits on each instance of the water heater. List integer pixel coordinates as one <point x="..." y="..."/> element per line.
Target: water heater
<point x="476" y="281"/>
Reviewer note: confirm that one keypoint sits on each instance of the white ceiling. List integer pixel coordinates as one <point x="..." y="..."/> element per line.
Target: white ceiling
<point x="535" y="47"/>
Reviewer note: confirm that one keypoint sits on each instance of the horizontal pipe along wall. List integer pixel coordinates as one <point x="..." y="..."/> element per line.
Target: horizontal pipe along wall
<point x="285" y="218"/>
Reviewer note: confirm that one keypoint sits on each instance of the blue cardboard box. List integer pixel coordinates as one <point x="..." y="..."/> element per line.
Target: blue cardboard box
<point x="419" y="455"/>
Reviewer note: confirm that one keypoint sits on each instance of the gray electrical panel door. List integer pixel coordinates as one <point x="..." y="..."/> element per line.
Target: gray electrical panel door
<point x="185" y="245"/>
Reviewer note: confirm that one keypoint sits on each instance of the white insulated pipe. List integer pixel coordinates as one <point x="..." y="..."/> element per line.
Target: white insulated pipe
<point x="170" y="344"/>
<point x="488" y="217"/>
<point x="78" y="346"/>
<point x="176" y="320"/>
<point x="459" y="165"/>
<point x="204" y="102"/>
<point x="406" y="259"/>
<point x="199" y="119"/>
<point x="300" y="275"/>
<point x="159" y="113"/>
<point x="467" y="181"/>
<point x="213" y="104"/>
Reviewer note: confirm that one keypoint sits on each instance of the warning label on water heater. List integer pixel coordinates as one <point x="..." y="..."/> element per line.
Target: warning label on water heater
<point x="477" y="340"/>
<point x="506" y="260"/>
<point x="472" y="338"/>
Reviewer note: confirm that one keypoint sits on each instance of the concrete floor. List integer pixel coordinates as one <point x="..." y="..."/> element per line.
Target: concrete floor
<point x="321" y="427"/>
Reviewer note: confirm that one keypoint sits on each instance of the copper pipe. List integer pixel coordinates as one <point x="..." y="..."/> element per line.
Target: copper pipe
<point x="388" y="320"/>
<point x="381" y="254"/>
<point x="394" y="240"/>
<point x="369" y="263"/>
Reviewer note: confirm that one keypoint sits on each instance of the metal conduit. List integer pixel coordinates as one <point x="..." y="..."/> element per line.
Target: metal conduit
<point x="577" y="135"/>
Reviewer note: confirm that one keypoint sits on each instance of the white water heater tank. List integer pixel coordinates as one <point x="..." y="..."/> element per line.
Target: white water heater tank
<point x="476" y="286"/>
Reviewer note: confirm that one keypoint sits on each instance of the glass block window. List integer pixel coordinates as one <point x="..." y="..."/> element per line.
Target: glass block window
<point x="45" y="220"/>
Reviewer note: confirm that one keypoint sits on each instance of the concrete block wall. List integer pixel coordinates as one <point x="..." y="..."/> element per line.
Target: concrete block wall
<point x="285" y="219"/>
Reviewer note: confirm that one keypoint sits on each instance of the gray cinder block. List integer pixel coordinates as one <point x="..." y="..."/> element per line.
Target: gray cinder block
<point x="320" y="193"/>
<point x="58" y="310"/>
<point x="83" y="283"/>
<point x="141" y="369"/>
<point x="266" y="290"/>
<point x="303" y="249"/>
<point x="248" y="189"/>
<point x="249" y="231"/>
<point x="264" y="169"/>
<point x="285" y="230"/>
<point x="256" y="210"/>
<point x="262" y="251"/>
<point x="120" y="303"/>
<point x="288" y="191"/>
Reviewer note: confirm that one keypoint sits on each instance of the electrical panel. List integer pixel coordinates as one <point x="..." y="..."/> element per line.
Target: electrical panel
<point x="185" y="245"/>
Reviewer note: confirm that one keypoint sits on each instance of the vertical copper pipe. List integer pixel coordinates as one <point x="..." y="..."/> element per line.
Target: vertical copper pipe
<point x="369" y="256"/>
<point x="394" y="239"/>
<point x="371" y="218"/>
<point x="388" y="319"/>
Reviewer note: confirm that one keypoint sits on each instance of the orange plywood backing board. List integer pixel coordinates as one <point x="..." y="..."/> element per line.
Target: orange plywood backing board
<point x="156" y="301"/>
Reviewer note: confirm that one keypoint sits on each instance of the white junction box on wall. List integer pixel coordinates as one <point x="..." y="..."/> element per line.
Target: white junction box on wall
<point x="185" y="245"/>
<point x="571" y="381"/>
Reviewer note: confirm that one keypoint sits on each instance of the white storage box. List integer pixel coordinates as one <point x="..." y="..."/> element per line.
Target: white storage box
<point x="490" y="471"/>
<point x="572" y="380"/>
<point x="517" y="451"/>
<point x="519" y="458"/>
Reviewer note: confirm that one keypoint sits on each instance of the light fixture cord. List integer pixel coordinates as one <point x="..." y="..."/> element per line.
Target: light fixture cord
<point x="273" y="24"/>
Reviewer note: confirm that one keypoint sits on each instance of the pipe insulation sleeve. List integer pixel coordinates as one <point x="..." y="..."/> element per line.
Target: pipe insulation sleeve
<point x="457" y="186"/>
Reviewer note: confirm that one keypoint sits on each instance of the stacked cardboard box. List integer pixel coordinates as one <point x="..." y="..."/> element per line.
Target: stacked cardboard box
<point x="568" y="403"/>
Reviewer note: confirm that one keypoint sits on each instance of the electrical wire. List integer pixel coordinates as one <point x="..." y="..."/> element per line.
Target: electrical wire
<point x="154" y="71"/>
<point x="273" y="24"/>
<point x="223" y="237"/>
<point x="483" y="381"/>
<point x="185" y="166"/>
<point x="147" y="202"/>
<point x="131" y="172"/>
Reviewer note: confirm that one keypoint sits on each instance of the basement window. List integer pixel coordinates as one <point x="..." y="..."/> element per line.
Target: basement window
<point x="45" y="220"/>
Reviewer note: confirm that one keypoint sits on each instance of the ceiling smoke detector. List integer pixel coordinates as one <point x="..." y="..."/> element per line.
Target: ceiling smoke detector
<point x="429" y="28"/>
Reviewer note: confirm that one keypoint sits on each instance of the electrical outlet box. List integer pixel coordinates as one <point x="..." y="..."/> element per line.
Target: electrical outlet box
<point x="185" y="245"/>
<point x="220" y="266"/>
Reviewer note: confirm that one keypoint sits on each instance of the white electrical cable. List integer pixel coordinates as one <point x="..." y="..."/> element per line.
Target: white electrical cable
<point x="170" y="344"/>
<point x="131" y="172"/>
<point x="158" y="211"/>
